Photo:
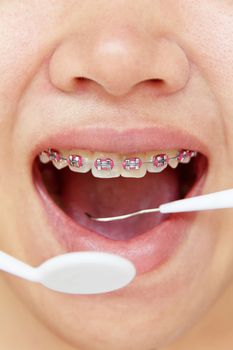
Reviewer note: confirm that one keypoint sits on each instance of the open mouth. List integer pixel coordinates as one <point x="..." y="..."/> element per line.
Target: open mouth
<point x="93" y="186"/>
<point x="78" y="182"/>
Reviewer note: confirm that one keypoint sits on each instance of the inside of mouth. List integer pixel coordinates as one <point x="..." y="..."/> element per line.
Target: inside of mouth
<point x="80" y="193"/>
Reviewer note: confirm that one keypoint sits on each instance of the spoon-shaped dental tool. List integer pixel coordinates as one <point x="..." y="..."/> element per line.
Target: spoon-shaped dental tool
<point x="75" y="273"/>
<point x="215" y="200"/>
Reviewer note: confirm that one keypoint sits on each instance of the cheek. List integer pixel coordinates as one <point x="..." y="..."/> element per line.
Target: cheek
<point x="209" y="43"/>
<point x="27" y="35"/>
<point x="204" y="29"/>
<point x="208" y="40"/>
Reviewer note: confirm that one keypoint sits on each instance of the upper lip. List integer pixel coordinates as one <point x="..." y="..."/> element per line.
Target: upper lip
<point x="132" y="140"/>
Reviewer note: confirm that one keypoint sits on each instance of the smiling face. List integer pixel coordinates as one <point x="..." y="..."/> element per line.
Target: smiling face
<point x="133" y="81"/>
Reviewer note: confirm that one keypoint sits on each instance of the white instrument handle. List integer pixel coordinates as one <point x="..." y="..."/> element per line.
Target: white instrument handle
<point x="216" y="200"/>
<point x="17" y="267"/>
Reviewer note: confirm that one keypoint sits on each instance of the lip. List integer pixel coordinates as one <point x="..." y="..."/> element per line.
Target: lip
<point x="121" y="141"/>
<point x="148" y="251"/>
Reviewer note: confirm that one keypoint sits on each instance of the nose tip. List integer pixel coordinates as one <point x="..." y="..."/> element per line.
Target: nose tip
<point x="121" y="67"/>
<point x="119" y="64"/>
<point x="117" y="67"/>
<point x="113" y="60"/>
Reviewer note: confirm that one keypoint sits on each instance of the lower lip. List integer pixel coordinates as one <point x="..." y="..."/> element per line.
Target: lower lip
<point x="147" y="252"/>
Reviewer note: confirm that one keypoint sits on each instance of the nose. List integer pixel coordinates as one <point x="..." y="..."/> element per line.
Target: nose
<point x="118" y="61"/>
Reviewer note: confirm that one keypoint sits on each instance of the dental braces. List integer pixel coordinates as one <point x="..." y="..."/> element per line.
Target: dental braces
<point x="76" y="161"/>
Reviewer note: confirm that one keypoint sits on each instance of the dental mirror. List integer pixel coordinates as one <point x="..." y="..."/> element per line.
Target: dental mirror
<point x="75" y="273"/>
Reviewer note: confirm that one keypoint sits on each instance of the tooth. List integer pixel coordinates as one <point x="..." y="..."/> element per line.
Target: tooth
<point x="193" y="153"/>
<point x="184" y="156"/>
<point x="153" y="158"/>
<point x="105" y="165"/>
<point x="56" y="158"/>
<point x="133" y="165"/>
<point x="44" y="157"/>
<point x="60" y="164"/>
<point x="78" y="160"/>
<point x="173" y="162"/>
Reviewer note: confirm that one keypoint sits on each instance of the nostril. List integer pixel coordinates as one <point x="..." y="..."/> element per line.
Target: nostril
<point x="81" y="83"/>
<point x="156" y="87"/>
<point x="156" y="82"/>
<point x="81" y="79"/>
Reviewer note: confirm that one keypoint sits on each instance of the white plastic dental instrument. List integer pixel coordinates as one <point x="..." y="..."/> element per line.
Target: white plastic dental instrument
<point x="98" y="272"/>
<point x="215" y="200"/>
<point x="75" y="273"/>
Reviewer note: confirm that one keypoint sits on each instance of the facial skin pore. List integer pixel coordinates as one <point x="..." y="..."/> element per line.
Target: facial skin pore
<point x="120" y="47"/>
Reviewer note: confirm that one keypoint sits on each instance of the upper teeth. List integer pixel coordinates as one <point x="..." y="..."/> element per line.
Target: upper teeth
<point x="107" y="165"/>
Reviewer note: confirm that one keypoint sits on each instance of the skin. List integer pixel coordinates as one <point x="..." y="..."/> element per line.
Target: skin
<point x="45" y="45"/>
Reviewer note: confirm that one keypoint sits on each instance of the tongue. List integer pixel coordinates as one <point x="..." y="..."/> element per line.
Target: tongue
<point x="83" y="193"/>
